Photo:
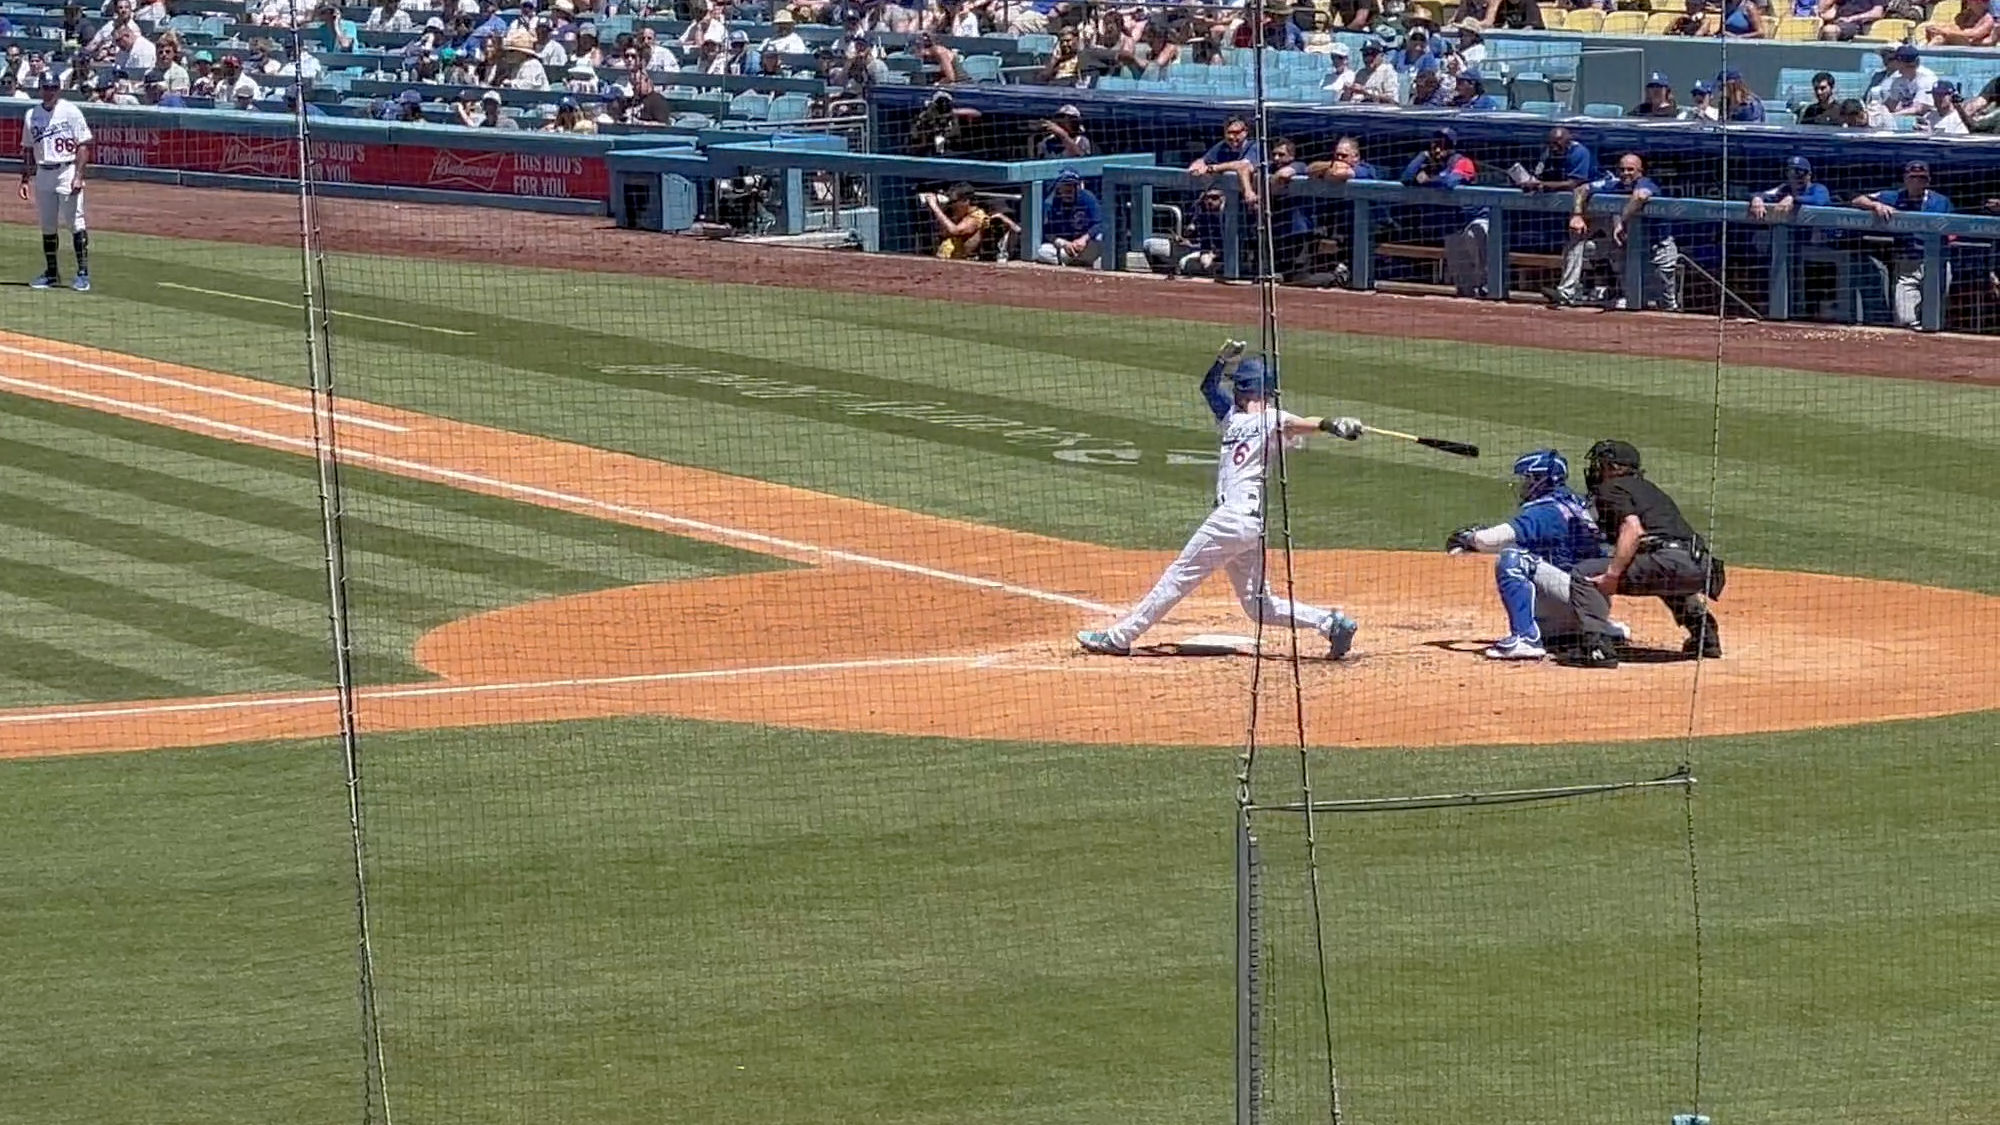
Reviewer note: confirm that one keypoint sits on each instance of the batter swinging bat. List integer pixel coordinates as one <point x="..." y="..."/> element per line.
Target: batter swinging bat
<point x="1442" y="445"/>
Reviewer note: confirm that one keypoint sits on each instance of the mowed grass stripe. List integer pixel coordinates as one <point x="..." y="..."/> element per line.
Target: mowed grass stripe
<point x="305" y="584"/>
<point x="439" y="552"/>
<point x="276" y="649"/>
<point x="72" y="675"/>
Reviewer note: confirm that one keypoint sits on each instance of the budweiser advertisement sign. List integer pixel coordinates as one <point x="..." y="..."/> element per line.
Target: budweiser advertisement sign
<point x="547" y="175"/>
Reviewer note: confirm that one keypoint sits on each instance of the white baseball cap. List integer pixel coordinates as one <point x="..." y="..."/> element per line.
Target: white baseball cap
<point x="1339" y="49"/>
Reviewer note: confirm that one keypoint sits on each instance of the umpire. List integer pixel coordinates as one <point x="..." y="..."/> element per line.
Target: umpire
<point x="1653" y="553"/>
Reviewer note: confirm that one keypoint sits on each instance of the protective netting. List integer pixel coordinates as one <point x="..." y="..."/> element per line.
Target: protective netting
<point x="603" y="675"/>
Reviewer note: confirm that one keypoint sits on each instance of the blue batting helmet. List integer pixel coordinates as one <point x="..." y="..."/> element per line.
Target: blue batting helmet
<point x="1540" y="473"/>
<point x="1252" y="377"/>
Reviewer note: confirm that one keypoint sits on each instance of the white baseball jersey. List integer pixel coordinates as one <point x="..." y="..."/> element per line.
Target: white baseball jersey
<point x="1249" y="439"/>
<point x="57" y="133"/>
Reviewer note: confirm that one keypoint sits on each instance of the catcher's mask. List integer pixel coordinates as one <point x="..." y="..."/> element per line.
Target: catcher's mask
<point x="1539" y="473"/>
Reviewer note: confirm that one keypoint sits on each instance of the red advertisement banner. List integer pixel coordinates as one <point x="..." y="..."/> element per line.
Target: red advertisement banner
<point x="544" y="174"/>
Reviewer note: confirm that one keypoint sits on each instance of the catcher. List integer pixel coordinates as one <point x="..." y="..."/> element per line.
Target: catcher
<point x="1552" y="532"/>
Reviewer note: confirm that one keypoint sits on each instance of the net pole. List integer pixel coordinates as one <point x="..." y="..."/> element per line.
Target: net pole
<point x="1249" y="977"/>
<point x="326" y="458"/>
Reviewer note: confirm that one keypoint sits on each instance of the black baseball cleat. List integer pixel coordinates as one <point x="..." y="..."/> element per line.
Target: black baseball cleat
<point x="1704" y="645"/>
<point x="1593" y="652"/>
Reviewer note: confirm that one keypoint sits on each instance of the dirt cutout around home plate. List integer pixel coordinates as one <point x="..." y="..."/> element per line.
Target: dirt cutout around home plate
<point x="900" y="623"/>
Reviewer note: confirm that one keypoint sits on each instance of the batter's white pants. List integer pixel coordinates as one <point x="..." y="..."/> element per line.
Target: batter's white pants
<point x="1234" y="542"/>
<point x="58" y="204"/>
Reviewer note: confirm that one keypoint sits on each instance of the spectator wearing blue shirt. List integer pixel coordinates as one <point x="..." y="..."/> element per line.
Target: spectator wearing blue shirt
<point x="1072" y="224"/>
<point x="1346" y="164"/>
<point x="1743" y="19"/>
<point x="1416" y="48"/>
<point x="1798" y="190"/>
<point x="1441" y="165"/>
<point x="1601" y="242"/>
<point x="1427" y="88"/>
<point x="1738" y="103"/>
<point x="1280" y="33"/>
<point x="1906" y="263"/>
<point x="1235" y="154"/>
<point x="292" y="103"/>
<point x="1566" y="164"/>
<point x="332" y="33"/>
<point x="1470" y="93"/>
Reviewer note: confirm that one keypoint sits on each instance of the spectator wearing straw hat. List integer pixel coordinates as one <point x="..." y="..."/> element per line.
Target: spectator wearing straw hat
<point x="1280" y="32"/>
<point x="785" y="38"/>
<point x="1906" y="262"/>
<point x="1471" y="48"/>
<point x="520" y="66"/>
<point x="1659" y="100"/>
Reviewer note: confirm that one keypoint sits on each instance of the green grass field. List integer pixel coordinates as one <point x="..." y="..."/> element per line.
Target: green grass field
<point x="646" y="920"/>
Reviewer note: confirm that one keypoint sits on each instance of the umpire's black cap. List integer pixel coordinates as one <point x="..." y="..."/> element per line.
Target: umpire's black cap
<point x="1614" y="452"/>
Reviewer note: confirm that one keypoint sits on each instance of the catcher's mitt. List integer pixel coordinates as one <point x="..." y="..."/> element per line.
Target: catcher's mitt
<point x="1460" y="542"/>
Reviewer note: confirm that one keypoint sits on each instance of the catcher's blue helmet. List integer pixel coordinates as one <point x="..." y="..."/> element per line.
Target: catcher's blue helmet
<point x="1252" y="377"/>
<point x="1540" y="473"/>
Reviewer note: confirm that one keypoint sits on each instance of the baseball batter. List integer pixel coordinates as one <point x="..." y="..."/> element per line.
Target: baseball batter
<point x="1232" y="537"/>
<point x="57" y="140"/>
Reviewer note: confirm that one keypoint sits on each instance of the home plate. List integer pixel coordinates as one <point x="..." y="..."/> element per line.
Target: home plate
<point x="1215" y="644"/>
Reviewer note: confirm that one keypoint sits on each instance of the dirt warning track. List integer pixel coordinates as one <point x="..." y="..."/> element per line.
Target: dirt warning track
<point x="902" y="623"/>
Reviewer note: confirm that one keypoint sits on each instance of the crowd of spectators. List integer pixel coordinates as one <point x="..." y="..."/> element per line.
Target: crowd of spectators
<point x="1308" y="235"/>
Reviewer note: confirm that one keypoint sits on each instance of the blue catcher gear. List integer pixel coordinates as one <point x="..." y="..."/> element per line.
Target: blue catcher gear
<point x="1539" y="474"/>
<point x="1252" y="377"/>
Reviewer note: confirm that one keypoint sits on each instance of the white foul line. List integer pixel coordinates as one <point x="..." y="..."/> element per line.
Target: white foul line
<point x="291" y="305"/>
<point x="181" y="384"/>
<point x="374" y="694"/>
<point x="570" y="499"/>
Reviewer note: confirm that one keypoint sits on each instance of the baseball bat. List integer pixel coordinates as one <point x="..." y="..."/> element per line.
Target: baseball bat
<point x="1442" y="445"/>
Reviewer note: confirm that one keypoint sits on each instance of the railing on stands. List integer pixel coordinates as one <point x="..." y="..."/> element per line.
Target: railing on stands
<point x="1501" y="207"/>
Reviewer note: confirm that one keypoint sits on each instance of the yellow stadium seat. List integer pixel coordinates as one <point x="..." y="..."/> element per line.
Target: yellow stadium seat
<point x="1797" y="28"/>
<point x="1945" y="12"/>
<point x="1659" y="22"/>
<point x="1583" y="19"/>
<point x="1889" y="31"/>
<point x="1626" y="23"/>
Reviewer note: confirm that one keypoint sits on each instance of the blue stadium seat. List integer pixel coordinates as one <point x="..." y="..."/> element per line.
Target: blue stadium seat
<point x="1530" y="86"/>
<point x="1545" y="109"/>
<point x="1603" y="109"/>
<point x="750" y="106"/>
<point x="1039" y="46"/>
<point x="980" y="68"/>
<point x="1774" y="116"/>
<point x="790" y="107"/>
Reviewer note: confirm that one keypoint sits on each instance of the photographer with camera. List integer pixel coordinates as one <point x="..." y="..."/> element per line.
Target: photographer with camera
<point x="939" y="128"/>
<point x="961" y="223"/>
<point x="1061" y="136"/>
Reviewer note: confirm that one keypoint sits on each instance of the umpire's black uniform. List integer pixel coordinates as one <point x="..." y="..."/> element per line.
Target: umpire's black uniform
<point x="1672" y="562"/>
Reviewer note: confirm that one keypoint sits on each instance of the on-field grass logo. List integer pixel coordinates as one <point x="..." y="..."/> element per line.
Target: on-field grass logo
<point x="1064" y="445"/>
<point x="474" y="172"/>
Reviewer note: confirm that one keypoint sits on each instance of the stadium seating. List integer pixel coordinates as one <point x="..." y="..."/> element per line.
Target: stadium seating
<point x="980" y="68"/>
<point x="1890" y="31"/>
<point x="1528" y="87"/>
<point x="1603" y="109"/>
<point x="1797" y="29"/>
<point x="1544" y="109"/>
<point x="1625" y="23"/>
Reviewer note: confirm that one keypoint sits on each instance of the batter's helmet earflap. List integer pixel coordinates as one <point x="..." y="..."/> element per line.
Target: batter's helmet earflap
<point x="1540" y="473"/>
<point x="1252" y="377"/>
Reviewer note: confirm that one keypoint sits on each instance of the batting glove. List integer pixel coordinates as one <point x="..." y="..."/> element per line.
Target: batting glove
<point x="1231" y="350"/>
<point x="1347" y="429"/>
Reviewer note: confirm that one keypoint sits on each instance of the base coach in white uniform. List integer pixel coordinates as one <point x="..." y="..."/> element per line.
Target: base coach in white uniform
<point x="56" y="141"/>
